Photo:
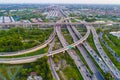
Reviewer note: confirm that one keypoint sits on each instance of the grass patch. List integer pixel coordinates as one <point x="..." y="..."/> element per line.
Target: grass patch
<point x="22" y="71"/>
<point x="16" y="39"/>
<point x="70" y="71"/>
<point x="9" y="72"/>
<point x="67" y="36"/>
<point x="73" y="20"/>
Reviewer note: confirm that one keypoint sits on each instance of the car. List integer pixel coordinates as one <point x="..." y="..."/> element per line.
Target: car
<point x="91" y="51"/>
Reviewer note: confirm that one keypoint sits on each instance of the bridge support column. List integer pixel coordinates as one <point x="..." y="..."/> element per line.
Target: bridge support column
<point x="63" y="51"/>
<point x="31" y="25"/>
<point x="8" y="26"/>
<point x="26" y="25"/>
<point x="23" y="25"/>
<point x="16" y="25"/>
<point x="76" y="25"/>
<point x="38" y="25"/>
<point x="52" y="55"/>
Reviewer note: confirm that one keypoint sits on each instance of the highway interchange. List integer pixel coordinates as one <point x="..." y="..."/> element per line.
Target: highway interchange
<point x="79" y="42"/>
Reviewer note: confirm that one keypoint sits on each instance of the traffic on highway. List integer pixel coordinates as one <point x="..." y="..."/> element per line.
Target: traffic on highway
<point x="95" y="63"/>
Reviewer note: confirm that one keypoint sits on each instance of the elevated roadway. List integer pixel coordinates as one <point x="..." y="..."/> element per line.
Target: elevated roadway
<point x="27" y="51"/>
<point x="21" y="52"/>
<point x="21" y="60"/>
<point x="52" y="64"/>
<point x="53" y="23"/>
<point x="74" y="44"/>
<point x="33" y="58"/>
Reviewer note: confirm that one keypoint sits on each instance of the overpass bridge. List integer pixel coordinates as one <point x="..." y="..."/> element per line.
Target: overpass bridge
<point x="34" y="58"/>
<point x="26" y="51"/>
<point x="53" y="23"/>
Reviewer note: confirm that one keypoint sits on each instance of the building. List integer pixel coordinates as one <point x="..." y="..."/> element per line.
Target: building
<point x="33" y="76"/>
<point x="36" y="20"/>
<point x="117" y="34"/>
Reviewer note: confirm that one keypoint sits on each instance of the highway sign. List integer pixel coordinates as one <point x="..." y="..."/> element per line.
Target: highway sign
<point x="70" y="47"/>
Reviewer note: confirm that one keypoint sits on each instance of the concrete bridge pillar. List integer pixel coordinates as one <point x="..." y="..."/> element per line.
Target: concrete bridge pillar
<point x="52" y="55"/>
<point x="23" y="25"/>
<point x="38" y="25"/>
<point x="63" y="51"/>
<point x="31" y="25"/>
<point x="16" y="25"/>
<point x="26" y="25"/>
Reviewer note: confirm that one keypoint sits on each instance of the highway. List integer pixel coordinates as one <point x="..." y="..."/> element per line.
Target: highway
<point x="53" y="13"/>
<point x="53" y="23"/>
<point x="81" y="67"/>
<point x="52" y="64"/>
<point x="97" y="75"/>
<point x="104" y="62"/>
<point x="21" y="60"/>
<point x="96" y="57"/>
<point x="109" y="48"/>
<point x="114" y="71"/>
